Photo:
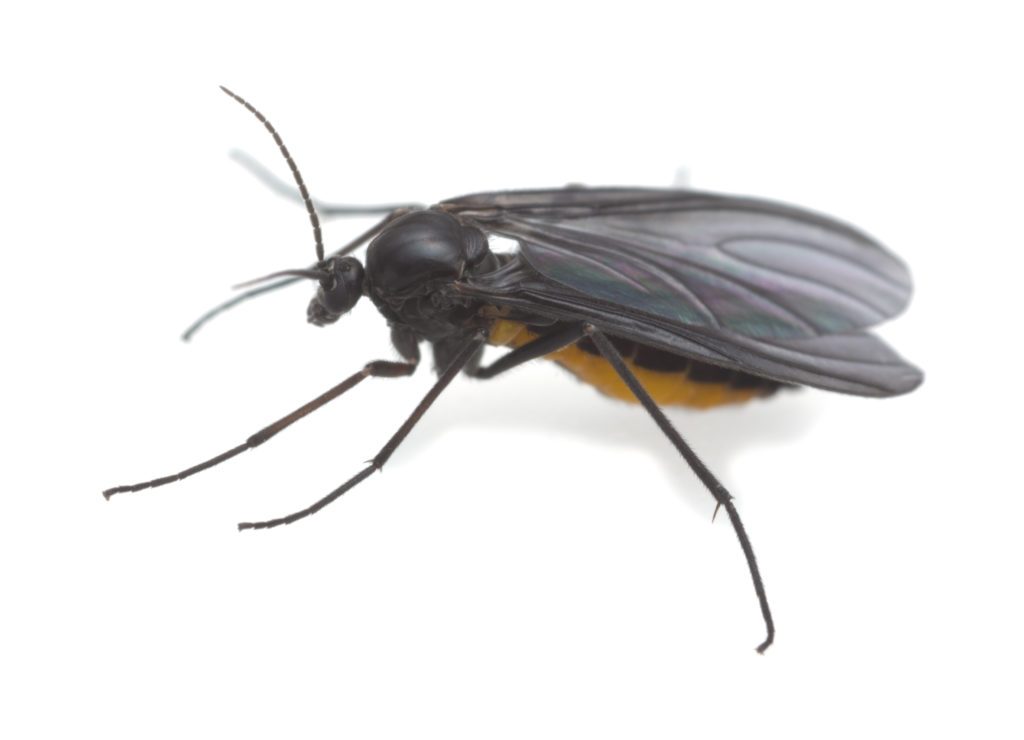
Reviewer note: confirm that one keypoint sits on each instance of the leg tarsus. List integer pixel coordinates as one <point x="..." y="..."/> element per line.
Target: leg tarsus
<point x="722" y="496"/>
<point x="378" y="368"/>
<point x="469" y="349"/>
<point x="329" y="498"/>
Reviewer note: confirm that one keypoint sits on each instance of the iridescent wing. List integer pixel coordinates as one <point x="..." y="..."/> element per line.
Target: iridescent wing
<point x="760" y="286"/>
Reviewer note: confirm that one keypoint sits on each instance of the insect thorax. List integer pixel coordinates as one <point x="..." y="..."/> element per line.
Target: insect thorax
<point x="409" y="265"/>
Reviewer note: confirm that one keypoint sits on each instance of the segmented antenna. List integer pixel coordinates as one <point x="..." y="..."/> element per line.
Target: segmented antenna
<point x="313" y="218"/>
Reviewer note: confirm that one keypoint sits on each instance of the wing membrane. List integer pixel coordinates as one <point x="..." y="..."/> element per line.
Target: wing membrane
<point x="745" y="266"/>
<point x="853" y="362"/>
<point x="758" y="286"/>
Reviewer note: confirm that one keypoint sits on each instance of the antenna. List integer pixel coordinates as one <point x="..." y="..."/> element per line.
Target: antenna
<point x="313" y="218"/>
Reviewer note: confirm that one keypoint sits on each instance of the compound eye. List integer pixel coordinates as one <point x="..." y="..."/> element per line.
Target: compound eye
<point x="339" y="290"/>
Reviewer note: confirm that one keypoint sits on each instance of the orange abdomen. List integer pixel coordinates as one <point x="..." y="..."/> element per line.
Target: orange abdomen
<point x="670" y="379"/>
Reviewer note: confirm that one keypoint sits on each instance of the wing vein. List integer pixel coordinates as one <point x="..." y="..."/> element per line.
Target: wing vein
<point x="588" y="246"/>
<point x="660" y="270"/>
<point x="853" y="297"/>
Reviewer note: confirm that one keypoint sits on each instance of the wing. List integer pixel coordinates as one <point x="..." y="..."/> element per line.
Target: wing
<point x="760" y="286"/>
<point x="747" y="266"/>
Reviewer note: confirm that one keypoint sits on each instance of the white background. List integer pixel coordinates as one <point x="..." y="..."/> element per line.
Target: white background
<point x="535" y="561"/>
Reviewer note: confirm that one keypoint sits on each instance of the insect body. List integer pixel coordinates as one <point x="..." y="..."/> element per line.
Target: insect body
<point x="652" y="296"/>
<point x="669" y="378"/>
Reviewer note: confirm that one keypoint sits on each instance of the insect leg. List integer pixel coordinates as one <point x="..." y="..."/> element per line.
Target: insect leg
<point x="463" y="356"/>
<point x="377" y="369"/>
<point x="721" y="495"/>
<point x="286" y="190"/>
<point x="539" y="347"/>
<point x="253" y="292"/>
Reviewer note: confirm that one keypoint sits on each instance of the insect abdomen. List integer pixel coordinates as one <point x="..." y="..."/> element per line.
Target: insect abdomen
<point x="670" y="378"/>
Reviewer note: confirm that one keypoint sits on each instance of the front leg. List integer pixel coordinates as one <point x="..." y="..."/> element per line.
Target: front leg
<point x="375" y="369"/>
<point x="538" y="347"/>
<point x="406" y="344"/>
<point x="469" y="348"/>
